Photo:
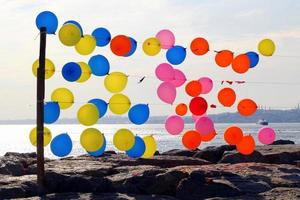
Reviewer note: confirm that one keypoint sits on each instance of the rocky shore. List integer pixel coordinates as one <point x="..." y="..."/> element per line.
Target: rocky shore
<point x="271" y="172"/>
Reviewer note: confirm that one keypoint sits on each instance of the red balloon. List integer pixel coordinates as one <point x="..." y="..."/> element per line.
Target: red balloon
<point x="193" y="88"/>
<point x="181" y="109"/>
<point x="247" y="107"/>
<point x="120" y="45"/>
<point x="241" y="63"/>
<point x="191" y="139"/>
<point x="208" y="137"/>
<point x="198" y="106"/>
<point x="224" y="58"/>
<point x="233" y="135"/>
<point x="199" y="46"/>
<point x="226" y="97"/>
<point x="246" y="146"/>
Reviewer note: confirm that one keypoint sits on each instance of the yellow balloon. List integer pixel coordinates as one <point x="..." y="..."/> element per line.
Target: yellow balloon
<point x="119" y="104"/>
<point x="151" y="46"/>
<point x="69" y="34"/>
<point x="47" y="136"/>
<point x="64" y="97"/>
<point x="115" y="82"/>
<point x="150" y="147"/>
<point x="266" y="47"/>
<point x="85" y="72"/>
<point x="124" y="139"/>
<point x="91" y="139"/>
<point x="88" y="114"/>
<point x="86" y="45"/>
<point x="49" y="68"/>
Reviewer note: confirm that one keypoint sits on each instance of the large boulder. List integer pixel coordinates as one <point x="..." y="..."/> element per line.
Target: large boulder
<point x="213" y="154"/>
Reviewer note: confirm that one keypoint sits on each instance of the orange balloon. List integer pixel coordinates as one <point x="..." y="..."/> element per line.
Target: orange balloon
<point x="199" y="46"/>
<point x="181" y="109"/>
<point x="247" y="107"/>
<point x="193" y="88"/>
<point x="224" y="58"/>
<point x="227" y="97"/>
<point x="241" y="63"/>
<point x="246" y="146"/>
<point x="191" y="139"/>
<point x="208" y="137"/>
<point x="120" y="45"/>
<point x="233" y="135"/>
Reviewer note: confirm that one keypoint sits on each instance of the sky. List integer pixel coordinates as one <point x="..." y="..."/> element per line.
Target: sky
<point x="226" y="24"/>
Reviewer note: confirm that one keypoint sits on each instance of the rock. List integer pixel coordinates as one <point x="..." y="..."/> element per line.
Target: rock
<point x="282" y="142"/>
<point x="235" y="157"/>
<point x="213" y="154"/>
<point x="180" y="152"/>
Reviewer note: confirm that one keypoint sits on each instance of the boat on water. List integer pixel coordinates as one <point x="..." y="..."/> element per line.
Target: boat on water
<point x="262" y="122"/>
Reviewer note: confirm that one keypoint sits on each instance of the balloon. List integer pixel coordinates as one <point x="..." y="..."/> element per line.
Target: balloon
<point x="179" y="78"/>
<point x="85" y="72"/>
<point x="199" y="46"/>
<point x="69" y="34"/>
<point x="181" y="109"/>
<point x="76" y="24"/>
<point x="101" y="106"/>
<point x="48" y="20"/>
<point x="246" y="146"/>
<point x="266" y="47"/>
<point x="99" y="65"/>
<point x="174" y="124"/>
<point x="120" y="45"/>
<point x="133" y="47"/>
<point x="61" y="145"/>
<point x="204" y="125"/>
<point x="206" y="85"/>
<point x="124" y="139"/>
<point x="233" y="135"/>
<point x="166" y="38"/>
<point x="150" y="146"/>
<point x="115" y="82"/>
<point x="266" y="135"/>
<point x="208" y="137"/>
<point x="254" y="58"/>
<point x="49" y="68"/>
<point x="247" y="107"/>
<point x="119" y="104"/>
<point x="86" y="45"/>
<point x="88" y="114"/>
<point x="151" y="46"/>
<point x="198" y="106"/>
<point x="165" y="72"/>
<point x="91" y="139"/>
<point x="138" y="148"/>
<point x="139" y="114"/>
<point x="241" y="63"/>
<point x="51" y="112"/>
<point x="102" y="36"/>
<point x="33" y="136"/>
<point x="193" y="88"/>
<point x="196" y="117"/>
<point x="224" y="58"/>
<point x="176" y="55"/>
<point x="191" y="140"/>
<point x="100" y="151"/>
<point x="64" y="97"/>
<point x="71" y="71"/>
<point x="166" y="92"/>
<point x="227" y="97"/>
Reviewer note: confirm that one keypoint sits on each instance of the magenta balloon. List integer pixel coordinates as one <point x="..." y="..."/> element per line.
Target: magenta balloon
<point x="166" y="92"/>
<point x="266" y="135"/>
<point x="207" y="85"/>
<point x="174" y="124"/>
<point x="179" y="78"/>
<point x="196" y="117"/>
<point x="204" y="125"/>
<point x="166" y="39"/>
<point x="165" y="72"/>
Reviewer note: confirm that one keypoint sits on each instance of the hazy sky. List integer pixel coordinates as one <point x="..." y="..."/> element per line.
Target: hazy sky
<point x="229" y="24"/>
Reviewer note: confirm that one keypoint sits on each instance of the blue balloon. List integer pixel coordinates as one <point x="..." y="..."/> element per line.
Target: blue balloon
<point x="102" y="36"/>
<point x="71" y="71"/>
<point x="254" y="58"/>
<point x="100" y="151"/>
<point x="99" y="65"/>
<point x="138" y="148"/>
<point x="48" y="20"/>
<point x="176" y="55"/>
<point x="101" y="105"/>
<point x="133" y="47"/>
<point x="61" y="145"/>
<point x="51" y="112"/>
<point x="139" y="114"/>
<point x="76" y="24"/>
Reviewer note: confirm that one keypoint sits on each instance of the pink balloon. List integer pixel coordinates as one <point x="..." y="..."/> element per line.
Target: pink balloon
<point x="207" y="85"/>
<point x="204" y="125"/>
<point x="174" y="124"/>
<point x="266" y="135"/>
<point x="166" y="39"/>
<point x="196" y="117"/>
<point x="179" y="78"/>
<point x="166" y="92"/>
<point x="165" y="72"/>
